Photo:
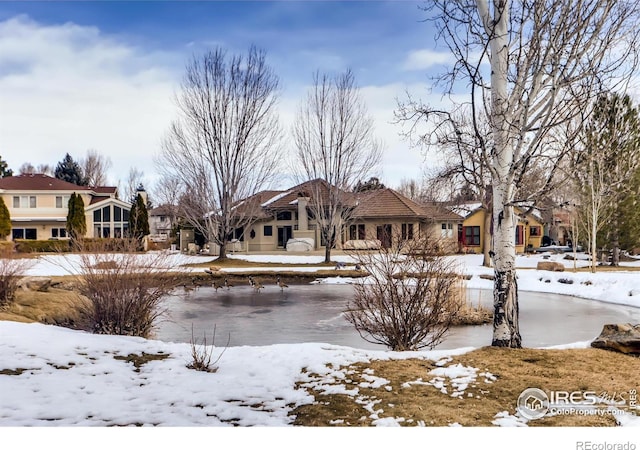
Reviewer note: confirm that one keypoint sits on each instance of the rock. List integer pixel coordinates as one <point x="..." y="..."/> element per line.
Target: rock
<point x="300" y="245"/>
<point x="41" y="284"/>
<point x="622" y="337"/>
<point x="550" y="266"/>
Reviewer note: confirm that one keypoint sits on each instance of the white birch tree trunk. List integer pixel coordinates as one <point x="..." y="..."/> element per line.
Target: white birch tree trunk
<point x="506" y="332"/>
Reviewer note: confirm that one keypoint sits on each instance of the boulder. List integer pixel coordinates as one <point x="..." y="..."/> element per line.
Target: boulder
<point x="550" y="266"/>
<point x="622" y="337"/>
<point x="41" y="284"/>
<point x="300" y="245"/>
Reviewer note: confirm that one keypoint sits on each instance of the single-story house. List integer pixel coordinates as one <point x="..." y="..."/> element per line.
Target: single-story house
<point x="375" y="217"/>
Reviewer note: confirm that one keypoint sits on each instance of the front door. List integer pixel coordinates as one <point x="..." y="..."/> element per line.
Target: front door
<point x="284" y="234"/>
<point x="383" y="234"/>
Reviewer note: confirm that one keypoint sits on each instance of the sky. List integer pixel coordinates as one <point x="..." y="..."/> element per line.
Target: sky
<point x="74" y="380"/>
<point x="102" y="75"/>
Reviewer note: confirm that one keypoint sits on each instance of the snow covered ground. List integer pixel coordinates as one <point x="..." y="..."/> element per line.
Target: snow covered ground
<point x="71" y="378"/>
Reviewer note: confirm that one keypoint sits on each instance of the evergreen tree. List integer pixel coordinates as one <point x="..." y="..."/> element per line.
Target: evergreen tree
<point x="76" y="220"/>
<point x="628" y="215"/>
<point x="611" y="160"/>
<point x="70" y="171"/>
<point x="4" y="170"/>
<point x="5" y="220"/>
<point x="139" y="219"/>
<point x="370" y="185"/>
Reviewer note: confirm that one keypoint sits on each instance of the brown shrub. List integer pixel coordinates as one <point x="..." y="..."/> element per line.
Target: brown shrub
<point x="125" y="290"/>
<point x="12" y="269"/>
<point x="405" y="312"/>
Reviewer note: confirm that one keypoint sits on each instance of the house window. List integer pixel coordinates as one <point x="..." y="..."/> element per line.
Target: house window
<point x="447" y="230"/>
<point x="519" y="235"/>
<point x="535" y="231"/>
<point x="24" y="201"/>
<point x="283" y="215"/>
<point x="472" y="235"/>
<point x="407" y="231"/>
<point x="237" y="234"/>
<point x="356" y="232"/>
<point x="108" y="222"/>
<point x="58" y="233"/>
<point x="24" y="233"/>
<point x="62" y="201"/>
<point x="267" y="230"/>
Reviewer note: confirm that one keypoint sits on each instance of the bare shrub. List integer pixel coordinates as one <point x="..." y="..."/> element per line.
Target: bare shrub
<point x="411" y="297"/>
<point x="125" y="290"/>
<point x="12" y="269"/>
<point x="469" y="313"/>
<point x="201" y="354"/>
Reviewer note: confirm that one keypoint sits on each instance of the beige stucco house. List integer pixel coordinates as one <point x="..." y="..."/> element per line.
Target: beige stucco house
<point x="285" y="219"/>
<point x="38" y="203"/>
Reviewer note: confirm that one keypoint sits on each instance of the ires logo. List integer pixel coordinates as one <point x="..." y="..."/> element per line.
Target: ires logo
<point x="534" y="403"/>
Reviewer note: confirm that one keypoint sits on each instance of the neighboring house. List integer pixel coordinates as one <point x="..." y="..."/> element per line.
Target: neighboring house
<point x="378" y="216"/>
<point x="560" y="226"/>
<point x="529" y="230"/>
<point x="161" y="221"/>
<point x="38" y="205"/>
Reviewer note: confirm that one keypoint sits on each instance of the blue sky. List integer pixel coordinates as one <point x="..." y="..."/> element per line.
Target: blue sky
<point x="101" y="75"/>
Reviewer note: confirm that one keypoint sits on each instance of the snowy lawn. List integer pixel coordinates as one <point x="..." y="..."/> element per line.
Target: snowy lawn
<point x="51" y="376"/>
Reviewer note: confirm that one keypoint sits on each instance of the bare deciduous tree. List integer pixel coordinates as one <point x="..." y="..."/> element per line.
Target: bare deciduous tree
<point x="134" y="180"/>
<point x="166" y="193"/>
<point x="335" y="143"/>
<point x="411" y="297"/>
<point x="28" y="168"/>
<point x="95" y="167"/>
<point x="225" y="146"/>
<point x="546" y="60"/>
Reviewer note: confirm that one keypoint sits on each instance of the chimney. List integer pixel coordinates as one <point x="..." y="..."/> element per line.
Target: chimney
<point x="303" y="218"/>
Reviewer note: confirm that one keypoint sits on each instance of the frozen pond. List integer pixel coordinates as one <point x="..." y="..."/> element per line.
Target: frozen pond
<point x="313" y="313"/>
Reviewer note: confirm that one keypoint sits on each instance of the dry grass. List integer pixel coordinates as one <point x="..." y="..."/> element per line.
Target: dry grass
<point x="239" y="263"/>
<point x="56" y="307"/>
<point x="515" y="370"/>
<point x="606" y="269"/>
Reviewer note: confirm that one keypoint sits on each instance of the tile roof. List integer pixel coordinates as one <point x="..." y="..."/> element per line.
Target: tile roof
<point x="259" y="199"/>
<point x="38" y="182"/>
<point x="390" y="203"/>
<point x="105" y="189"/>
<point x="380" y="203"/>
<point x="318" y="187"/>
<point x="465" y="209"/>
<point x="162" y="210"/>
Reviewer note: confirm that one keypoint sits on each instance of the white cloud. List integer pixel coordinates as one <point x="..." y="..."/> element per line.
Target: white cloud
<point x="424" y="59"/>
<point x="68" y="88"/>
